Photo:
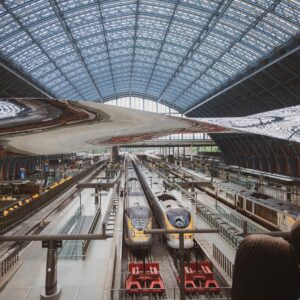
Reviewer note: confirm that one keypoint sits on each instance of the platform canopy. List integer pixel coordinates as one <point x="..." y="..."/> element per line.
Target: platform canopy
<point x="177" y="52"/>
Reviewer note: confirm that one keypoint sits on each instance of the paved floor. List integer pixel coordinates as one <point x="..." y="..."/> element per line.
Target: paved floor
<point x="80" y="279"/>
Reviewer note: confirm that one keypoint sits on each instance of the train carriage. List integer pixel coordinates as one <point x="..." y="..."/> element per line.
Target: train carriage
<point x="168" y="211"/>
<point x="137" y="215"/>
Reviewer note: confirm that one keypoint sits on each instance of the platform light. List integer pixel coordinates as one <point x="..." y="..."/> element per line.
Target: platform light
<point x="54" y="185"/>
<point x="27" y="200"/>
<point x="5" y="213"/>
<point x="20" y="203"/>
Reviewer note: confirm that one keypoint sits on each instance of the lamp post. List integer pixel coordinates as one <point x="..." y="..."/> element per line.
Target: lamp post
<point x="151" y="178"/>
<point x="80" y="203"/>
<point x="52" y="242"/>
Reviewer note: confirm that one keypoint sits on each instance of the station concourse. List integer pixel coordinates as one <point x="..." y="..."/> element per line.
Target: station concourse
<point x="149" y="149"/>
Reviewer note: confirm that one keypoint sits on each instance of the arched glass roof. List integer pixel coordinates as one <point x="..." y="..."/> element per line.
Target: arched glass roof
<point x="175" y="52"/>
<point x="144" y="105"/>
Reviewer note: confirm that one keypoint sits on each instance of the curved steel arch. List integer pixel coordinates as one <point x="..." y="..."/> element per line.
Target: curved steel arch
<point x="178" y="52"/>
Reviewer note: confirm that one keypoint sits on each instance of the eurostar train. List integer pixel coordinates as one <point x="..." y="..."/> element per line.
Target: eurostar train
<point x="137" y="215"/>
<point x="168" y="211"/>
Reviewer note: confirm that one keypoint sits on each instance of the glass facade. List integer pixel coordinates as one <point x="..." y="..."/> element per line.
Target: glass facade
<point x="144" y="105"/>
<point x="152" y="106"/>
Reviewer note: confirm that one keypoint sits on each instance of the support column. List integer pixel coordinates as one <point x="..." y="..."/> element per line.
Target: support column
<point x="114" y="153"/>
<point x="52" y="290"/>
<point x="181" y="267"/>
<point x="96" y="196"/>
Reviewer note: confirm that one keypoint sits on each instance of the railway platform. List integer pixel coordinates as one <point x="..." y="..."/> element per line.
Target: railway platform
<point x="79" y="276"/>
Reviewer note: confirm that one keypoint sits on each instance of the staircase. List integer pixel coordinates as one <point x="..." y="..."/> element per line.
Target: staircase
<point x="108" y="224"/>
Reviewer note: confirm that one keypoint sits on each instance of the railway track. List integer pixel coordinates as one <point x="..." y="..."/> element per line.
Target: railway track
<point x="27" y="210"/>
<point x="237" y="216"/>
<point x="145" y="297"/>
<point x="169" y="270"/>
<point x="229" y="231"/>
<point x="157" y="254"/>
<point x="193" y="257"/>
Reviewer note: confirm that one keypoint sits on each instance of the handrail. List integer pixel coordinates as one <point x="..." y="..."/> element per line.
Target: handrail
<point x="23" y="212"/>
<point x="9" y="262"/>
<point x="86" y="243"/>
<point x="110" y="203"/>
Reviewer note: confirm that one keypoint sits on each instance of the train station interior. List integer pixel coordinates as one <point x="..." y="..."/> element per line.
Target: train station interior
<point x="149" y="149"/>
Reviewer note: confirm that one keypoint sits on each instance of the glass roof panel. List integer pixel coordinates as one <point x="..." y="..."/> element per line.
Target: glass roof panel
<point x="177" y="52"/>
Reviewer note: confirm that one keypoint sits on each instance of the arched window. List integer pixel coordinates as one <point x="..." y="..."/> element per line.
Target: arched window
<point x="144" y="105"/>
<point x="153" y="106"/>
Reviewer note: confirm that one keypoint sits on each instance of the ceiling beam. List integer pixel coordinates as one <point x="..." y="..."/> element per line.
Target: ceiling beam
<point x="227" y="50"/>
<point x="67" y="31"/>
<point x="25" y="29"/>
<point x="162" y="44"/>
<point x="212" y="22"/>
<point x="289" y="52"/>
<point x="134" y="42"/>
<point x="30" y="82"/>
<point x="106" y="45"/>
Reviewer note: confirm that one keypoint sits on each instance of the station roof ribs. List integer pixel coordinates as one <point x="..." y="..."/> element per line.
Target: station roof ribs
<point x="181" y="53"/>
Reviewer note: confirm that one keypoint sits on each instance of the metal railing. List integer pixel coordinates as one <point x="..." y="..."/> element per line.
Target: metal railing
<point x="225" y="230"/>
<point x="27" y="209"/>
<point x="223" y="261"/>
<point x="110" y="204"/>
<point x="86" y="243"/>
<point x="9" y="262"/>
<point x="240" y="221"/>
<point x="171" y="293"/>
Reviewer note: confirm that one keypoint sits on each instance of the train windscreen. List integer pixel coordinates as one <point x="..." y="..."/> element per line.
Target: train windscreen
<point x="139" y="216"/>
<point x="139" y="224"/>
<point x="179" y="218"/>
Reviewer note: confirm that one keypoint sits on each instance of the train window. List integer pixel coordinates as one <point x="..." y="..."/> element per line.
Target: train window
<point x="249" y="205"/>
<point x="165" y="197"/>
<point x="179" y="218"/>
<point x="132" y="179"/>
<point x="139" y="224"/>
<point x="240" y="202"/>
<point x="259" y="196"/>
<point x="266" y="213"/>
<point x="230" y="196"/>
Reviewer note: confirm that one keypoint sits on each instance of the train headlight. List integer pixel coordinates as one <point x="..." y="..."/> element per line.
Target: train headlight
<point x="132" y="233"/>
